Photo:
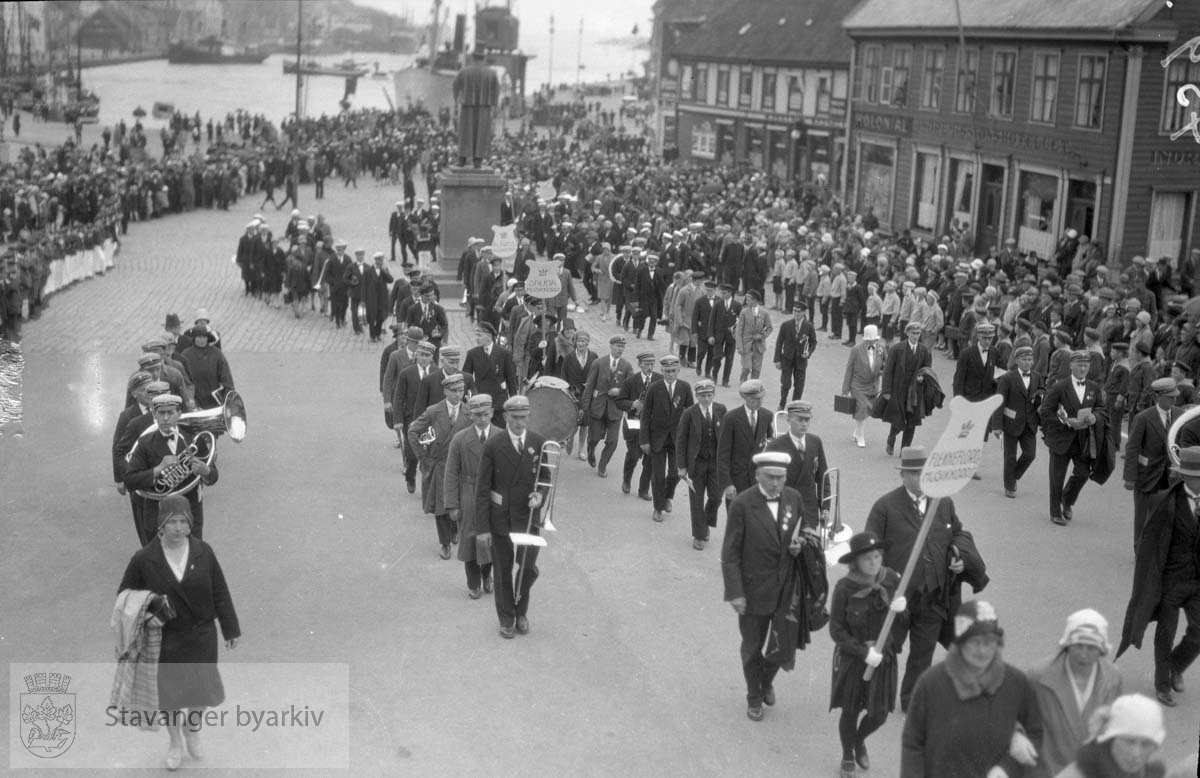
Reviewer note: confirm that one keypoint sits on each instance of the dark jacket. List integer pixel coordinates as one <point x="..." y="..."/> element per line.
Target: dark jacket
<point x="805" y="474"/>
<point x="1020" y="409"/>
<point x="899" y="373"/>
<point x="1059" y="436"/>
<point x="495" y="374"/>
<point x="505" y="481"/>
<point x="974" y="378"/>
<point x="661" y="414"/>
<point x="1146" y="450"/>
<point x="795" y="343"/>
<point x="754" y="555"/>
<point x="736" y="444"/>
<point x="689" y="436"/>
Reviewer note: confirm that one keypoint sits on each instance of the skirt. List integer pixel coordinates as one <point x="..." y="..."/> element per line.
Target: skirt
<point x="863" y="403"/>
<point x="850" y="692"/>
<point x="187" y="669"/>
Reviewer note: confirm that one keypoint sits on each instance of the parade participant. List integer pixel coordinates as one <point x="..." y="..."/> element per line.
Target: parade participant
<point x="750" y="334"/>
<point x="429" y="435"/>
<point x="861" y="381"/>
<point x="430" y="392"/>
<point x="159" y="448"/>
<point x="574" y="367"/>
<point x="966" y="710"/>
<point x="901" y="372"/>
<point x="1071" y="685"/>
<point x="352" y="277"/>
<point x="158" y="370"/>
<point x="858" y="608"/>
<point x="1116" y="384"/>
<point x="132" y="422"/>
<point x="631" y="400"/>
<point x="743" y="434"/>
<point x="806" y="472"/>
<point x="399" y="339"/>
<point x="376" y="279"/>
<point x="429" y="316"/>
<point x="601" y="390"/>
<point x="492" y="367"/>
<point x="462" y="467"/>
<point x="404" y="406"/>
<point x="1167" y="579"/>
<point x="207" y="366"/>
<point x="177" y="565"/>
<point x="704" y="329"/>
<point x="666" y="400"/>
<point x="974" y="374"/>
<point x="796" y="342"/>
<point x="649" y="285"/>
<point x="1128" y="734"/>
<point x="173" y="369"/>
<point x="1146" y="452"/>
<point x="684" y="310"/>
<point x="766" y="528"/>
<point x="397" y="362"/>
<point x="726" y="321"/>
<point x="506" y="493"/>
<point x="949" y="554"/>
<point x="1069" y="411"/>
<point x="1021" y="391"/>
<point x="696" y="455"/>
<point x="396" y="232"/>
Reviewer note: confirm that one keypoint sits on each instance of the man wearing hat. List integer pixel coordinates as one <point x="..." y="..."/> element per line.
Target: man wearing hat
<point x="1071" y="685"/>
<point x="396" y="231"/>
<point x="131" y="423"/>
<point x="632" y="400"/>
<point x="335" y="273"/>
<point x="902" y="370"/>
<point x="765" y="529"/>
<point x="948" y="558"/>
<point x="750" y="335"/>
<point x="172" y="367"/>
<point x="429" y="315"/>
<point x="506" y="493"/>
<point x="154" y="364"/>
<point x="704" y="328"/>
<point x="601" y="390"/>
<point x="493" y="368"/>
<point x="1146" y="451"/>
<point x="793" y="346"/>
<point x="353" y="279"/>
<point x="405" y="392"/>
<point x="1069" y="411"/>
<point x="1166" y="580"/>
<point x="1021" y="390"/>
<point x="744" y="433"/>
<point x="156" y="450"/>
<point x="861" y="380"/>
<point x="430" y="391"/>
<point x="462" y="470"/>
<point x="806" y="471"/>
<point x="375" y="282"/>
<point x="429" y="435"/>
<point x="404" y="355"/>
<point x="696" y="455"/>
<point x="208" y="368"/>
<point x="728" y="312"/>
<point x="666" y="401"/>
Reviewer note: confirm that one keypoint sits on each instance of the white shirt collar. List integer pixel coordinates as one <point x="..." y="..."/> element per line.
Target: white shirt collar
<point x="798" y="442"/>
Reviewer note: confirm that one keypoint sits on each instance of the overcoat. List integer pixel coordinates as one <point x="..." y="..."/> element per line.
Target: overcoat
<point x="462" y="467"/>
<point x="433" y="456"/>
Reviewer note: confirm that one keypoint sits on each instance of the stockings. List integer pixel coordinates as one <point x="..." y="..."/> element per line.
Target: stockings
<point x="852" y="732"/>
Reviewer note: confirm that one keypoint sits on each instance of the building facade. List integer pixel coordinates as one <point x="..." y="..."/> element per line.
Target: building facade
<point x="1069" y="121"/>
<point x="765" y="83"/>
<point x="673" y="20"/>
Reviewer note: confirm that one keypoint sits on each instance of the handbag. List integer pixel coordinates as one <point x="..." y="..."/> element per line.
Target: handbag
<point x="483" y="548"/>
<point x="844" y="403"/>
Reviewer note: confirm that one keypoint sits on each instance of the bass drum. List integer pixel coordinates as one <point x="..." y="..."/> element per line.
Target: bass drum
<point x="553" y="413"/>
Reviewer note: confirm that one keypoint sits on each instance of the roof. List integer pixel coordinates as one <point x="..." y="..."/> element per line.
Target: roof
<point x="1031" y="15"/>
<point x="801" y="31"/>
<point x="684" y="10"/>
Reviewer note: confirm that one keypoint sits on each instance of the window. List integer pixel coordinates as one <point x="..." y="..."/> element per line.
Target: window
<point x="1004" y="72"/>
<point x="968" y="78"/>
<point x="1089" y="97"/>
<point x="702" y="83"/>
<point x="687" y="83"/>
<point x="768" y="91"/>
<point x="931" y="78"/>
<point x="1180" y="72"/>
<point x="795" y="102"/>
<point x="901" y="64"/>
<point x="925" y="184"/>
<point x="824" y="96"/>
<point x="704" y="141"/>
<point x="875" y="176"/>
<point x="871" y="73"/>
<point x="745" y="87"/>
<point x="723" y="86"/>
<point x="1045" y="88"/>
<point x="1035" y="219"/>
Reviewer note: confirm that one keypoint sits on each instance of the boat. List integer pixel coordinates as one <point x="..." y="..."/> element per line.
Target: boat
<point x="163" y="110"/>
<point x="347" y="68"/>
<point x="213" y="51"/>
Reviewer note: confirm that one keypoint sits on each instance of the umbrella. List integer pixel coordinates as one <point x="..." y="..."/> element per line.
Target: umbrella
<point x="139" y="112"/>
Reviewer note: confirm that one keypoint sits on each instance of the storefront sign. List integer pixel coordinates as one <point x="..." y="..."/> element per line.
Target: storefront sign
<point x="878" y="122"/>
<point x="1175" y="157"/>
<point x="989" y="137"/>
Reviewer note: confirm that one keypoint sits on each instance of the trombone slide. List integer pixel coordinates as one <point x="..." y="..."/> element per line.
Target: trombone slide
<point x="527" y="539"/>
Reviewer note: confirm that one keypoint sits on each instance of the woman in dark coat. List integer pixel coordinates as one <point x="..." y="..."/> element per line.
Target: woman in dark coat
<point x="860" y="604"/>
<point x="186" y="571"/>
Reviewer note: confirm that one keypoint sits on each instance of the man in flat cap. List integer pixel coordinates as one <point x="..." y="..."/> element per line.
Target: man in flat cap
<point x="462" y="470"/>
<point x="696" y="457"/>
<point x="750" y="334"/>
<point x="601" y="389"/>
<point x="795" y="344"/>
<point x="1021" y="391"/>
<point x="405" y="393"/>
<point x="396" y="232"/>
<point x="335" y="273"/>
<point x="430" y="435"/>
<point x="902" y="369"/>
<point x="807" y="468"/>
<point x="353" y="279"/>
<point x="1074" y="421"/>
<point x="632" y="400"/>
<point x="744" y="432"/>
<point x="430" y="316"/>
<point x="430" y="391"/>
<point x="493" y="368"/>
<point x="375" y="282"/>
<point x="1146" y="458"/>
<point x="666" y="400"/>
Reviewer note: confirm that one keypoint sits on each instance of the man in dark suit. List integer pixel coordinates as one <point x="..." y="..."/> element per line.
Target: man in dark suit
<point x="704" y="324"/>
<point x="429" y="316"/>
<point x="493" y="368"/>
<point x="402" y="357"/>
<point x="404" y="405"/>
<point x="601" y="389"/>
<point x="132" y="422"/>
<point x="333" y="272"/>
<point x="1021" y="389"/>
<point x="431" y="391"/>
<point x="733" y="257"/>
<point x="1068" y="412"/>
<point x="900" y="370"/>
<point x="442" y="420"/>
<point x="933" y="592"/>
<point x="466" y="272"/>
<point x="743" y="434"/>
<point x="506" y="493"/>
<point x="396" y="231"/>
<point x="631" y="400"/>
<point x="156" y="450"/>
<point x="1146" y="451"/>
<point x="806" y="471"/>
<point x="765" y="529"/>
<point x="795" y="344"/>
<point x="666" y="400"/>
<point x="376" y="279"/>
<point x="353" y="278"/>
<point x="975" y="370"/>
<point x="650" y="286"/>
<point x="696" y="456"/>
<point x="728" y="311"/>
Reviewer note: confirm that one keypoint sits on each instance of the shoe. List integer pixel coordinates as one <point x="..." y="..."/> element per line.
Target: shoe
<point x="1164" y="696"/>
<point x="754" y="713"/>
<point x="192" y="740"/>
<point x="890" y="448"/>
<point x="769" y="696"/>
<point x="522" y="625"/>
<point x="1059" y="520"/>
<point x="668" y="508"/>
<point x="976" y="477"/>
<point x="698" y="544"/>
<point x="1067" y="512"/>
<point x="412" y="487"/>
<point x="398" y="444"/>
<point x="1177" y="682"/>
<point x="1010" y="493"/>
<point x="625" y="487"/>
<point x="507" y="632"/>
<point x="175" y="757"/>
<point x="445" y="551"/>
<point x="847" y="768"/>
<point x="602" y="471"/>
<point x="475" y="594"/>
<point x="581" y="456"/>
<point x="644" y="496"/>
<point x="487" y="584"/>
<point x="657" y="516"/>
<point x="725" y="384"/>
<point x="591" y="457"/>
<point x="570" y="447"/>
<point x="860" y="756"/>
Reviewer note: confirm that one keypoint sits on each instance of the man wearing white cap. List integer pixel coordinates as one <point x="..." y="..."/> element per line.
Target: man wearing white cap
<point x="762" y="535"/>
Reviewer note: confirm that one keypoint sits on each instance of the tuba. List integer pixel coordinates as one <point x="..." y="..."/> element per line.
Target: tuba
<point x="229" y="417"/>
<point x="206" y="426"/>
<point x="1177" y="427"/>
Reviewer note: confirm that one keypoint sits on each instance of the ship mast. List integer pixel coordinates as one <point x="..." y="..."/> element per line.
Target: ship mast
<point x="299" y="33"/>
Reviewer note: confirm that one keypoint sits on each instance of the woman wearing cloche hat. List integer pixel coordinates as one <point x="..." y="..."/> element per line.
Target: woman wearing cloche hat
<point x="1127" y="735"/>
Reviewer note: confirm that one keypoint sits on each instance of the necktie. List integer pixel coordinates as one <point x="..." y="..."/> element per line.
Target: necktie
<point x="1025" y="376"/>
<point x="519" y="443"/>
<point x="773" y="507"/>
<point x="753" y="421"/>
<point x="453" y="414"/>
<point x="707" y="418"/>
<point x="800" y="447"/>
<point x="871" y="358"/>
<point x="917" y="506"/>
<point x="614" y="366"/>
<point x="482" y="437"/>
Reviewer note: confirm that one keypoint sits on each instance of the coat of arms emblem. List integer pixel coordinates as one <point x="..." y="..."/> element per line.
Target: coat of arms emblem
<point x="47" y="715"/>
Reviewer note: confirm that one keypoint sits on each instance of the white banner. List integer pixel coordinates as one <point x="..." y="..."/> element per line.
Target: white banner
<point x="960" y="448"/>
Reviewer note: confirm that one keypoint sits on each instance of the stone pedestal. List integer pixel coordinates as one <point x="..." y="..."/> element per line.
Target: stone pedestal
<point x="470" y="207"/>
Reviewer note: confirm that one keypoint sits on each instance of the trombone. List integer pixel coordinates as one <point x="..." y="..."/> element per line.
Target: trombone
<point x="835" y="536"/>
<point x="541" y="518"/>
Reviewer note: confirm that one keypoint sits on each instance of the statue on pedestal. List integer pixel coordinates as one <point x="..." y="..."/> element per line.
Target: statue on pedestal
<point x="477" y="91"/>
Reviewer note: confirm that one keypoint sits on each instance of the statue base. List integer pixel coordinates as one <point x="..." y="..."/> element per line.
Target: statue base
<point x="471" y="200"/>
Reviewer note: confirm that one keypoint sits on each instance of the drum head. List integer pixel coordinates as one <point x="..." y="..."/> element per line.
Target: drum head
<point x="553" y="413"/>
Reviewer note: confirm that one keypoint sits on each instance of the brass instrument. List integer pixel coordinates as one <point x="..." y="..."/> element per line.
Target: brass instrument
<point x="781" y="426"/>
<point x="835" y="536"/>
<point x="229" y="417"/>
<point x="1177" y="427"/>
<point x="178" y="479"/>
<point x="541" y="517"/>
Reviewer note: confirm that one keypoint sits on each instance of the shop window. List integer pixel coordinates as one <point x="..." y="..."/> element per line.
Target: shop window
<point x="795" y="94"/>
<point x="1180" y="72"/>
<point x="704" y="141"/>
<point x="1081" y="205"/>
<point x="965" y="81"/>
<point x="1004" y="73"/>
<point x="872" y="73"/>
<point x="1089" y="94"/>
<point x="755" y="147"/>
<point x="768" y="91"/>
<point x="726" y="149"/>
<point x="1168" y="225"/>
<point x="723" y="86"/>
<point x="960" y="186"/>
<point x="1035" y="220"/>
<point x="745" y="87"/>
<point x="931" y="79"/>
<point x="901" y="65"/>
<point x="1045" y="88"/>
<point x="876" y="174"/>
<point x="925" y="185"/>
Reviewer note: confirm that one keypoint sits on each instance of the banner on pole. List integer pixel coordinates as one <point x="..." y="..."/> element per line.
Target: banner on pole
<point x="543" y="281"/>
<point x="959" y="450"/>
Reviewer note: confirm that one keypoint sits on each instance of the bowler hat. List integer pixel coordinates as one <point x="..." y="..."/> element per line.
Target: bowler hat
<point x="861" y="544"/>
<point x="1189" y="462"/>
<point x="912" y="458"/>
